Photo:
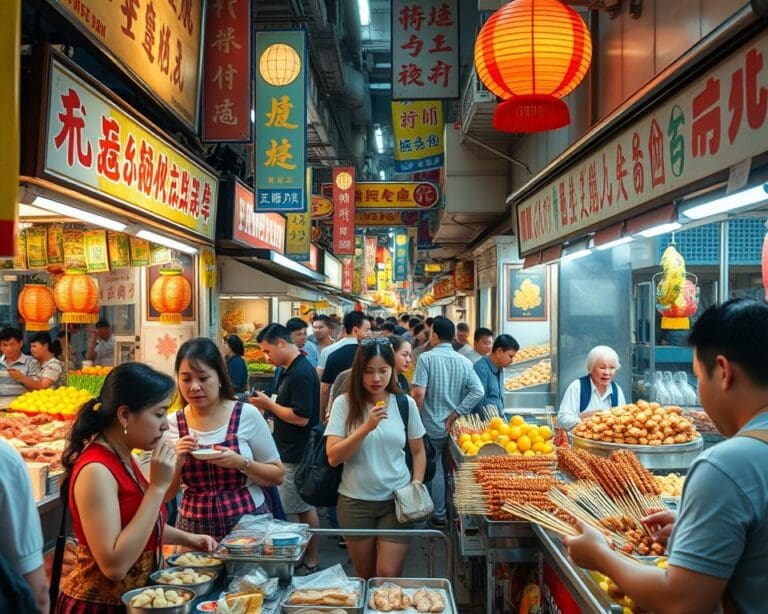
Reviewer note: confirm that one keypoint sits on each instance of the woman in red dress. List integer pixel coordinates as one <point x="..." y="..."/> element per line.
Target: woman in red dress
<point x="118" y="516"/>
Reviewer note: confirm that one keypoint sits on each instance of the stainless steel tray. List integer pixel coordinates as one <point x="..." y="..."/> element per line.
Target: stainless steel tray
<point x="410" y="585"/>
<point x="274" y="566"/>
<point x="287" y="608"/>
<point x="671" y="457"/>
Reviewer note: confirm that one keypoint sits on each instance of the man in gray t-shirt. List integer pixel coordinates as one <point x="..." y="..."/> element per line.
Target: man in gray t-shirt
<point x="718" y="545"/>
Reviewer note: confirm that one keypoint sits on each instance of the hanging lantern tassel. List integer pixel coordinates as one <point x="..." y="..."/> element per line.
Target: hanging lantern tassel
<point x="764" y="262"/>
<point x="170" y="295"/>
<point x="77" y="297"/>
<point x="37" y="306"/>
<point x="532" y="53"/>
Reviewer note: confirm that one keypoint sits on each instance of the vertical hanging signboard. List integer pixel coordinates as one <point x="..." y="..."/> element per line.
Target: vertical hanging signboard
<point x="425" y="49"/>
<point x="344" y="211"/>
<point x="418" y="135"/>
<point x="298" y="231"/>
<point x="281" y="124"/>
<point x="400" y="272"/>
<point x="227" y="72"/>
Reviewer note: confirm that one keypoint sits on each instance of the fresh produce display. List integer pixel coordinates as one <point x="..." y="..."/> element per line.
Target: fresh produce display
<point x="670" y="485"/>
<point x="259" y="367"/>
<point x="530" y="352"/>
<point x="540" y="373"/>
<point x="642" y="424"/>
<point x="90" y="379"/>
<point x="61" y="402"/>
<point x="256" y="360"/>
<point x="37" y="438"/>
<point x="517" y="437"/>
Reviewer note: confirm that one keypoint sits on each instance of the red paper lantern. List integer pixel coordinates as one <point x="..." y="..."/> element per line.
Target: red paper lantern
<point x="77" y="297"/>
<point x="531" y="53"/>
<point x="170" y="295"/>
<point x="37" y="306"/>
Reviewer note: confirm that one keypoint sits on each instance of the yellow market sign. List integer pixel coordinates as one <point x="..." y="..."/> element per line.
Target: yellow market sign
<point x="97" y="145"/>
<point x="393" y="195"/>
<point x="156" y="42"/>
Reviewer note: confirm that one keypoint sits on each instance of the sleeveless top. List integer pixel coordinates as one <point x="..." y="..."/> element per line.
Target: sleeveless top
<point x="87" y="582"/>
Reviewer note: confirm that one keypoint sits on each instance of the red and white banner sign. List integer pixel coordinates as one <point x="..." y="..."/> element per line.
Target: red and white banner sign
<point x="425" y="49"/>
<point x="227" y="72"/>
<point x="344" y="211"/>
<point x="257" y="230"/>
<point x="347" y="270"/>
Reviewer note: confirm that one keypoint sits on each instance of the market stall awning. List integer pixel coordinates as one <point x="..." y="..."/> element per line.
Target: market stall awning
<point x="274" y="264"/>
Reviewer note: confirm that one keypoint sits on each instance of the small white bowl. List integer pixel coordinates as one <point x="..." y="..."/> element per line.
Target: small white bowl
<point x="206" y="453"/>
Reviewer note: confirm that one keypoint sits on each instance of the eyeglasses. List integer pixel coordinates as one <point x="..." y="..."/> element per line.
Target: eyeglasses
<point x="374" y="340"/>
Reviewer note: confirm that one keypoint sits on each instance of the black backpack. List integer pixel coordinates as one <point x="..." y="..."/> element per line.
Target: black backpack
<point x="429" y="448"/>
<point x="316" y="481"/>
<point x="15" y="593"/>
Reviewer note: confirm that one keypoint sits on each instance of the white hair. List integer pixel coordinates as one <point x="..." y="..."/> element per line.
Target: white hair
<point x="602" y="352"/>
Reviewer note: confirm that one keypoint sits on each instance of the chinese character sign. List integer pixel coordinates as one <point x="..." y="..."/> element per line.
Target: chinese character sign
<point x="344" y="210"/>
<point x="227" y="72"/>
<point x="394" y="195"/>
<point x="257" y="230"/>
<point x="157" y="41"/>
<point x="425" y="49"/>
<point x="712" y="124"/>
<point x="369" y="254"/>
<point x="10" y="26"/>
<point x="400" y="272"/>
<point x="358" y="266"/>
<point x="347" y="273"/>
<point x="95" y="144"/>
<point x="418" y="134"/>
<point x="281" y="125"/>
<point x="298" y="230"/>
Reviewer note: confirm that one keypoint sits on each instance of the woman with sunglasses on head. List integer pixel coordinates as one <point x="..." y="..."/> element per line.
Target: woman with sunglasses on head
<point x="403" y="360"/>
<point x="118" y="516"/>
<point x="219" y="489"/>
<point x="367" y="435"/>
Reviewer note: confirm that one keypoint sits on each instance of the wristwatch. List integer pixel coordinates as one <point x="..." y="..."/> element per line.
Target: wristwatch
<point x="247" y="464"/>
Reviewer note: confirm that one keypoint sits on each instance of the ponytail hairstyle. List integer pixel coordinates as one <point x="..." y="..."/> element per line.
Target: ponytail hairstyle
<point x="131" y="384"/>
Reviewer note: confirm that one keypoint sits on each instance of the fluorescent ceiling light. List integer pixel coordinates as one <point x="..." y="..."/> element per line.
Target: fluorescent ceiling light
<point x="85" y="216"/>
<point x="727" y="203"/>
<point x="661" y="229"/>
<point x="382" y="174"/>
<point x="614" y="243"/>
<point x="364" y="10"/>
<point x="383" y="65"/>
<point x="167" y="241"/>
<point x="577" y="254"/>
<point x="379" y="136"/>
<point x="380" y="86"/>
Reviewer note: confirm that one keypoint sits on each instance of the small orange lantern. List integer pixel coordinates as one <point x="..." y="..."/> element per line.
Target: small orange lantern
<point x="531" y="53"/>
<point x="170" y="295"/>
<point x="77" y="297"/>
<point x="37" y="306"/>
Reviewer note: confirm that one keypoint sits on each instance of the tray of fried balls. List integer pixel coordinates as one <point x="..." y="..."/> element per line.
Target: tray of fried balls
<point x="159" y="599"/>
<point x="410" y="595"/>
<point x="199" y="579"/>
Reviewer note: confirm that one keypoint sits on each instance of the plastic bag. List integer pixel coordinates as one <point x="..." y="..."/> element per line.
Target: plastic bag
<point x="333" y="577"/>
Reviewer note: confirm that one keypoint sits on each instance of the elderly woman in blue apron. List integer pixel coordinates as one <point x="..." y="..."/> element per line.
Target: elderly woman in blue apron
<point x="594" y="391"/>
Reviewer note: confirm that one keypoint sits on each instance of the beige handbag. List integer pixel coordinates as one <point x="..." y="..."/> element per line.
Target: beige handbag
<point x="412" y="503"/>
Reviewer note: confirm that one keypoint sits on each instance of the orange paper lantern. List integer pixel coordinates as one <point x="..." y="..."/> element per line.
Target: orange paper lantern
<point x="170" y="295"/>
<point x="37" y="306"/>
<point x="77" y="297"/>
<point x="531" y="53"/>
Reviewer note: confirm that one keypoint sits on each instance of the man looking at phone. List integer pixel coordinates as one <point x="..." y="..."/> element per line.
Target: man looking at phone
<point x="14" y="366"/>
<point x="101" y="346"/>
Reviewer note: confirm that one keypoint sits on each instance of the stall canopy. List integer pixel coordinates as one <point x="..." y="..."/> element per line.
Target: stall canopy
<point x="274" y="264"/>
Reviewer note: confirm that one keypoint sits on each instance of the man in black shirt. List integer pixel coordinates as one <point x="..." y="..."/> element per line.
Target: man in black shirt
<point x="295" y="411"/>
<point x="357" y="326"/>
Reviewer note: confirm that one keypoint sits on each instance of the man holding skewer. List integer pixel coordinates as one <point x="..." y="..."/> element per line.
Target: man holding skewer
<point x="718" y="545"/>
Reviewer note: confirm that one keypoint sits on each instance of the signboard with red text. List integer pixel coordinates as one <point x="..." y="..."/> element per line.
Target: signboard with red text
<point x="712" y="124"/>
<point x="100" y="146"/>
<point x="227" y="72"/>
<point x="155" y="41"/>
<point x="257" y="230"/>
<point x="425" y="49"/>
<point x="393" y="194"/>
<point x="344" y="210"/>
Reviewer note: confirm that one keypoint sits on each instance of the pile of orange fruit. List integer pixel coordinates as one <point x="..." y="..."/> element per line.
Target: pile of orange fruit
<point x="517" y="437"/>
<point x="94" y="370"/>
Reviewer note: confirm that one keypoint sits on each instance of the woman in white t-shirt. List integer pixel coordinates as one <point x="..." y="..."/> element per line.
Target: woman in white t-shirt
<point x="366" y="433"/>
<point x="218" y="490"/>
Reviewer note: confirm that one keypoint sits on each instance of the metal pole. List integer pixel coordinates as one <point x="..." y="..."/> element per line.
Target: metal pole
<point x="724" y="290"/>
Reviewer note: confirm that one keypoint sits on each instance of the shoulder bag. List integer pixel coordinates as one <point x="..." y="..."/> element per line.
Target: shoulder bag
<point x="429" y="448"/>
